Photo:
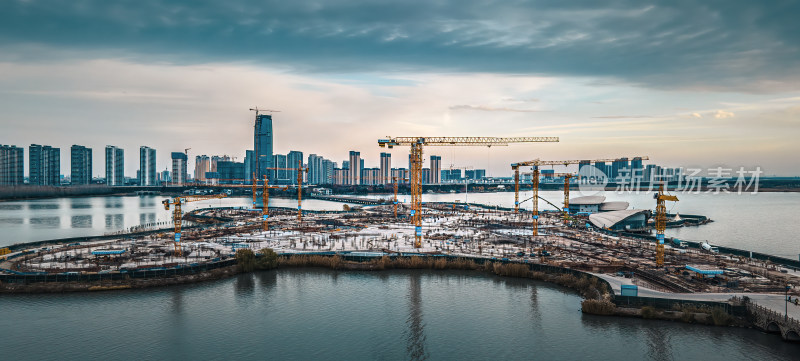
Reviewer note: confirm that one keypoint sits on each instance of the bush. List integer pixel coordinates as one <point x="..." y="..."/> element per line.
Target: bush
<point x="598" y="307"/>
<point x="268" y="260"/>
<point x="246" y="260"/>
<point x="687" y="317"/>
<point x="649" y="312"/>
<point x="720" y="317"/>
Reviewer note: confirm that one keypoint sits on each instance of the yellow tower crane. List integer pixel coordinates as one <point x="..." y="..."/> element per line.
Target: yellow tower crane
<point x="537" y="162"/>
<point x="300" y="169"/>
<point x="535" y="183"/>
<point x="661" y="221"/>
<point x="177" y="214"/>
<point x="254" y="186"/>
<point x="394" y="182"/>
<point x="415" y="177"/>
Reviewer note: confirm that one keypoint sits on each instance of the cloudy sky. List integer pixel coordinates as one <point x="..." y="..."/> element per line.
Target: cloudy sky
<point x="688" y="83"/>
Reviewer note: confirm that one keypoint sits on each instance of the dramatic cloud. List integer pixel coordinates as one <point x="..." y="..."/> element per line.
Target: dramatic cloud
<point x="739" y="45"/>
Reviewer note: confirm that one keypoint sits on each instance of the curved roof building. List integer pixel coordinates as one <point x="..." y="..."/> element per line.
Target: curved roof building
<point x="627" y="219"/>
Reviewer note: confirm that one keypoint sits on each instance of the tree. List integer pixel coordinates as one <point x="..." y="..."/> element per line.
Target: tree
<point x="246" y="260"/>
<point x="268" y="260"/>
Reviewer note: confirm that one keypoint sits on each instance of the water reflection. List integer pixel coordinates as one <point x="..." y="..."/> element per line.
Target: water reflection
<point x="79" y="203"/>
<point x="658" y="343"/>
<point x="115" y="221"/>
<point x="245" y="285"/>
<point x="267" y="279"/>
<point x="46" y="221"/>
<point x="147" y="202"/>
<point x="84" y="221"/>
<point x="38" y="206"/>
<point x="113" y="202"/>
<point x="146" y="218"/>
<point x="415" y="335"/>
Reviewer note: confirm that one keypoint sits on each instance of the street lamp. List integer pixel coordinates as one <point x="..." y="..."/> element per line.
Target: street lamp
<point x="786" y="301"/>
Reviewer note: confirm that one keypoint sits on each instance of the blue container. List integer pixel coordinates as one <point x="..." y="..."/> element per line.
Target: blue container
<point x="629" y="290"/>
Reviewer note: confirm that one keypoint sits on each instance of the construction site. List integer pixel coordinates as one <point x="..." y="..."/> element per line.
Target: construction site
<point x="576" y="237"/>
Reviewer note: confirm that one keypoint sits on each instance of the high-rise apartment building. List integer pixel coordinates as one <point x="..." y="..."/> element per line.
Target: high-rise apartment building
<point x="294" y="160"/>
<point x="44" y="165"/>
<point x="355" y="167"/>
<point x="280" y="175"/>
<point x="370" y="176"/>
<point x="386" y="168"/>
<point x="637" y="168"/>
<point x="179" y="171"/>
<point x="263" y="145"/>
<point x="249" y="167"/>
<point x="12" y="165"/>
<point x="202" y="165"/>
<point x="80" y="165"/>
<point x="317" y="169"/>
<point x="328" y="165"/>
<point x="436" y="169"/>
<point x="619" y="165"/>
<point x="115" y="166"/>
<point x="147" y="166"/>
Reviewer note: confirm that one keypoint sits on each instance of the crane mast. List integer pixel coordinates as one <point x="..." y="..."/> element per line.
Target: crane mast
<point x="300" y="169"/>
<point x="415" y="177"/>
<point x="661" y="221"/>
<point x="177" y="214"/>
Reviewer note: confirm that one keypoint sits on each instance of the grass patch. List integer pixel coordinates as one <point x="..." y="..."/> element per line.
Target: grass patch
<point x="598" y="307"/>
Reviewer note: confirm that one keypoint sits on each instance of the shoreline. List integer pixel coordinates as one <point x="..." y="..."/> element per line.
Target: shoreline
<point x="597" y="294"/>
<point x="11" y="193"/>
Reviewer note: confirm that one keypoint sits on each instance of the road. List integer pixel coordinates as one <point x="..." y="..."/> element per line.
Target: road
<point x="774" y="302"/>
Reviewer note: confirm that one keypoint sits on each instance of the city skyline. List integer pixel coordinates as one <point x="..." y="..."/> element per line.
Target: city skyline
<point x="693" y="85"/>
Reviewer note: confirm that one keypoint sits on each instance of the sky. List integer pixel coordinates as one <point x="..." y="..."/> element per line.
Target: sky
<point x="696" y="84"/>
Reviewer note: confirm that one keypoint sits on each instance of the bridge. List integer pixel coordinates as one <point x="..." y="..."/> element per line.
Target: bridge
<point x="774" y="322"/>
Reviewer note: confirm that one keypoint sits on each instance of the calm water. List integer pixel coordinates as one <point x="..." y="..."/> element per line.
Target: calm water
<point x="763" y="222"/>
<point x="324" y="315"/>
<point x="37" y="220"/>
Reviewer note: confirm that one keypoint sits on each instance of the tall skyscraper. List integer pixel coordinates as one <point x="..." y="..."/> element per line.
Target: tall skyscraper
<point x="12" y="165"/>
<point x="80" y="165"/>
<point x="293" y="160"/>
<point x="263" y="144"/>
<point x="147" y="166"/>
<point x="436" y="169"/>
<point x="249" y="166"/>
<point x="115" y="166"/>
<point x="44" y="165"/>
<point x="386" y="168"/>
<point x="202" y="165"/>
<point x="355" y="167"/>
<point x="178" y="174"/>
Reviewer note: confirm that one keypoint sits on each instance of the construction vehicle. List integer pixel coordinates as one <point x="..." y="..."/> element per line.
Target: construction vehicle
<point x="661" y="221"/>
<point x="178" y="214"/>
<point x="415" y="179"/>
